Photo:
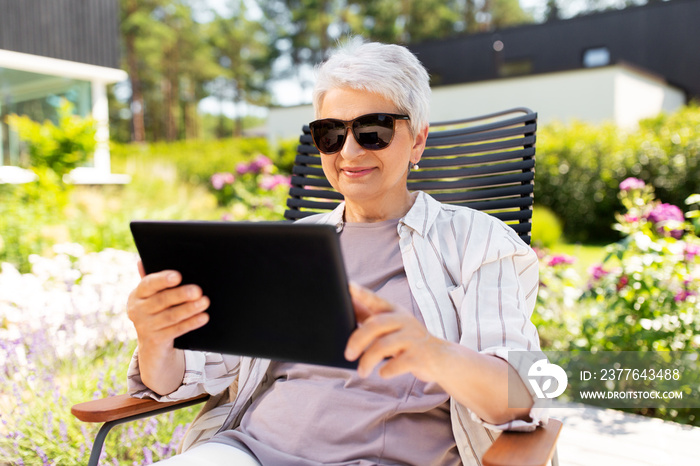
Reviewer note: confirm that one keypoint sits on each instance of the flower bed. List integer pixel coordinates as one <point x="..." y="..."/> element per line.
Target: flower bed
<point x="65" y="338"/>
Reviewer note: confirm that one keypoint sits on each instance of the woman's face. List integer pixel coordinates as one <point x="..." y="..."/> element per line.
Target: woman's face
<point x="369" y="178"/>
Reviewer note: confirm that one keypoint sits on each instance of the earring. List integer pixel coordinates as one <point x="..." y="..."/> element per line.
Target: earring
<point x="414" y="166"/>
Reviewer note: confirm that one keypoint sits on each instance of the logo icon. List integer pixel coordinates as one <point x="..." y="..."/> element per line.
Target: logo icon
<point x="541" y="375"/>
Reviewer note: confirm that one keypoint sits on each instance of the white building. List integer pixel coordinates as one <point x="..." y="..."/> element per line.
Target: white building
<point x="55" y="50"/>
<point x="620" y="94"/>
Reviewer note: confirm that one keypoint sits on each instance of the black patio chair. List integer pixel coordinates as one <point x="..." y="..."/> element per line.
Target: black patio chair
<point x="486" y="163"/>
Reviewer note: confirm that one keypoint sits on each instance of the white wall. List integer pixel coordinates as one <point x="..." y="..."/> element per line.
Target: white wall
<point x="286" y="122"/>
<point x="618" y="93"/>
<point x="638" y="95"/>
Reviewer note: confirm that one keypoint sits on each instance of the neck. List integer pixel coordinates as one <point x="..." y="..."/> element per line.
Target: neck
<point x="378" y="210"/>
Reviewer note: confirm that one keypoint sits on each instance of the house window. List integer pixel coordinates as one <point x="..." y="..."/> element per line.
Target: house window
<point x="37" y="96"/>
<point x="594" y="57"/>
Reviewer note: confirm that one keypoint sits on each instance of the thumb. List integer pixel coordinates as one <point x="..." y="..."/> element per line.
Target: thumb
<point x="367" y="303"/>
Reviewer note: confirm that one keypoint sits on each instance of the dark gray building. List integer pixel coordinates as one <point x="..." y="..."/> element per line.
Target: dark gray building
<point x="660" y="37"/>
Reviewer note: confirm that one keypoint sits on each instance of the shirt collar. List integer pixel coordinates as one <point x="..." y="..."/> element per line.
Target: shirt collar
<point x="419" y="218"/>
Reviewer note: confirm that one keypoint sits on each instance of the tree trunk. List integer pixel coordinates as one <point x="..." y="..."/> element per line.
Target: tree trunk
<point x="190" y="112"/>
<point x="137" y="107"/>
<point x="171" y="97"/>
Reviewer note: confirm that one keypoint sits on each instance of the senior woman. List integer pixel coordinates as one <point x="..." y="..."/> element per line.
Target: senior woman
<point x="441" y="294"/>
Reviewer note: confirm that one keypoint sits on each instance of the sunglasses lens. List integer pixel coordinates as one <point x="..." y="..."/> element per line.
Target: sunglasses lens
<point x="373" y="131"/>
<point x="328" y="135"/>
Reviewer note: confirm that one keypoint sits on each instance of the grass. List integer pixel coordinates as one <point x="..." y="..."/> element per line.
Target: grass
<point x="586" y="254"/>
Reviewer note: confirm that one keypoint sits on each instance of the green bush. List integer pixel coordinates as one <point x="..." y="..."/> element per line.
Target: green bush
<point x="195" y="161"/>
<point x="546" y="227"/>
<point x="60" y="148"/>
<point x="645" y="295"/>
<point x="580" y="165"/>
<point x="169" y="182"/>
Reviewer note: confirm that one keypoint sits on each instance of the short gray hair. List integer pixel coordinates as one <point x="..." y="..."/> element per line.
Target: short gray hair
<point x="391" y="71"/>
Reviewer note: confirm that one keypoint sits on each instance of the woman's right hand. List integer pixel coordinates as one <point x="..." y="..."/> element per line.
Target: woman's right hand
<point x="161" y="311"/>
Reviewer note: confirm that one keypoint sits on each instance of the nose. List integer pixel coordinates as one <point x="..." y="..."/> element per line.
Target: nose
<point x="351" y="149"/>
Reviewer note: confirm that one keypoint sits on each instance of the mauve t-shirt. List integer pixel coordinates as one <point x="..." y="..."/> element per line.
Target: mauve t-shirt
<point x="323" y="415"/>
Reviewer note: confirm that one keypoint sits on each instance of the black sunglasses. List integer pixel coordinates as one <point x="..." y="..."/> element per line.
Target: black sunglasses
<point x="373" y="131"/>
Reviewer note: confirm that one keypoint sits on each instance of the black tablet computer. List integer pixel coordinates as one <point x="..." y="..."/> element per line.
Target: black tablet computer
<point x="277" y="290"/>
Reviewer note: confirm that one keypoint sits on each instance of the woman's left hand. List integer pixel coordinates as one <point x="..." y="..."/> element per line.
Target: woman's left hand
<point x="390" y="334"/>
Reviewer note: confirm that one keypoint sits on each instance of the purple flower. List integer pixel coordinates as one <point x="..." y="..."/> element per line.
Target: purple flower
<point x="147" y="456"/>
<point x="42" y="455"/>
<point x="269" y="182"/>
<point x="631" y="183"/>
<point x="150" y="428"/>
<point x="63" y="430"/>
<point x="219" y="180"/>
<point x="260" y="164"/>
<point x="667" y="215"/>
<point x="560" y="259"/>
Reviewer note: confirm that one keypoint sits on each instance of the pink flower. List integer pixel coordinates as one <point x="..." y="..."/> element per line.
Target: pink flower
<point x="269" y="182"/>
<point x="667" y="214"/>
<point x="242" y="168"/>
<point x="560" y="259"/>
<point x="261" y="164"/>
<point x="629" y="218"/>
<point x="622" y="282"/>
<point x="597" y="272"/>
<point x="219" y="180"/>
<point x="683" y="295"/>
<point x="631" y="183"/>
<point x="691" y="251"/>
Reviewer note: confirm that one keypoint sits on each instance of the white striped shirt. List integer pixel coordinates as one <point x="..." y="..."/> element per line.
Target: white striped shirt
<point x="475" y="282"/>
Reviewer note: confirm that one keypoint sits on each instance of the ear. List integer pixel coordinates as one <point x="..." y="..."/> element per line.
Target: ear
<point x="419" y="144"/>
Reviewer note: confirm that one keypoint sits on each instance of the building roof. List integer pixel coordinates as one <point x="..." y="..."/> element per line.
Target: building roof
<point x="662" y="38"/>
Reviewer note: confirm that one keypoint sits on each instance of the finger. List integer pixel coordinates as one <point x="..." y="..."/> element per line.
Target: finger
<point x="188" y="325"/>
<point x="142" y="271"/>
<point x="364" y="336"/>
<point x="367" y="303"/>
<point x="169" y="298"/>
<point x="420" y="358"/>
<point x="178" y="314"/>
<point x="383" y="349"/>
<point x="168" y="334"/>
<point x="396" y="366"/>
<point x="155" y="282"/>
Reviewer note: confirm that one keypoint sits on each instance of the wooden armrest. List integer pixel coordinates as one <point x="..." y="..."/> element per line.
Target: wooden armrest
<point x="524" y="448"/>
<point x="122" y="406"/>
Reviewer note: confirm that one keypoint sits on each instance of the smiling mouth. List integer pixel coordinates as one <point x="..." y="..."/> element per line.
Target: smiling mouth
<point x="357" y="172"/>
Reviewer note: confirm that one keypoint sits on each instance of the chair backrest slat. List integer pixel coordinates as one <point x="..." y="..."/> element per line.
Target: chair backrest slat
<point x="486" y="163"/>
<point x="528" y="141"/>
